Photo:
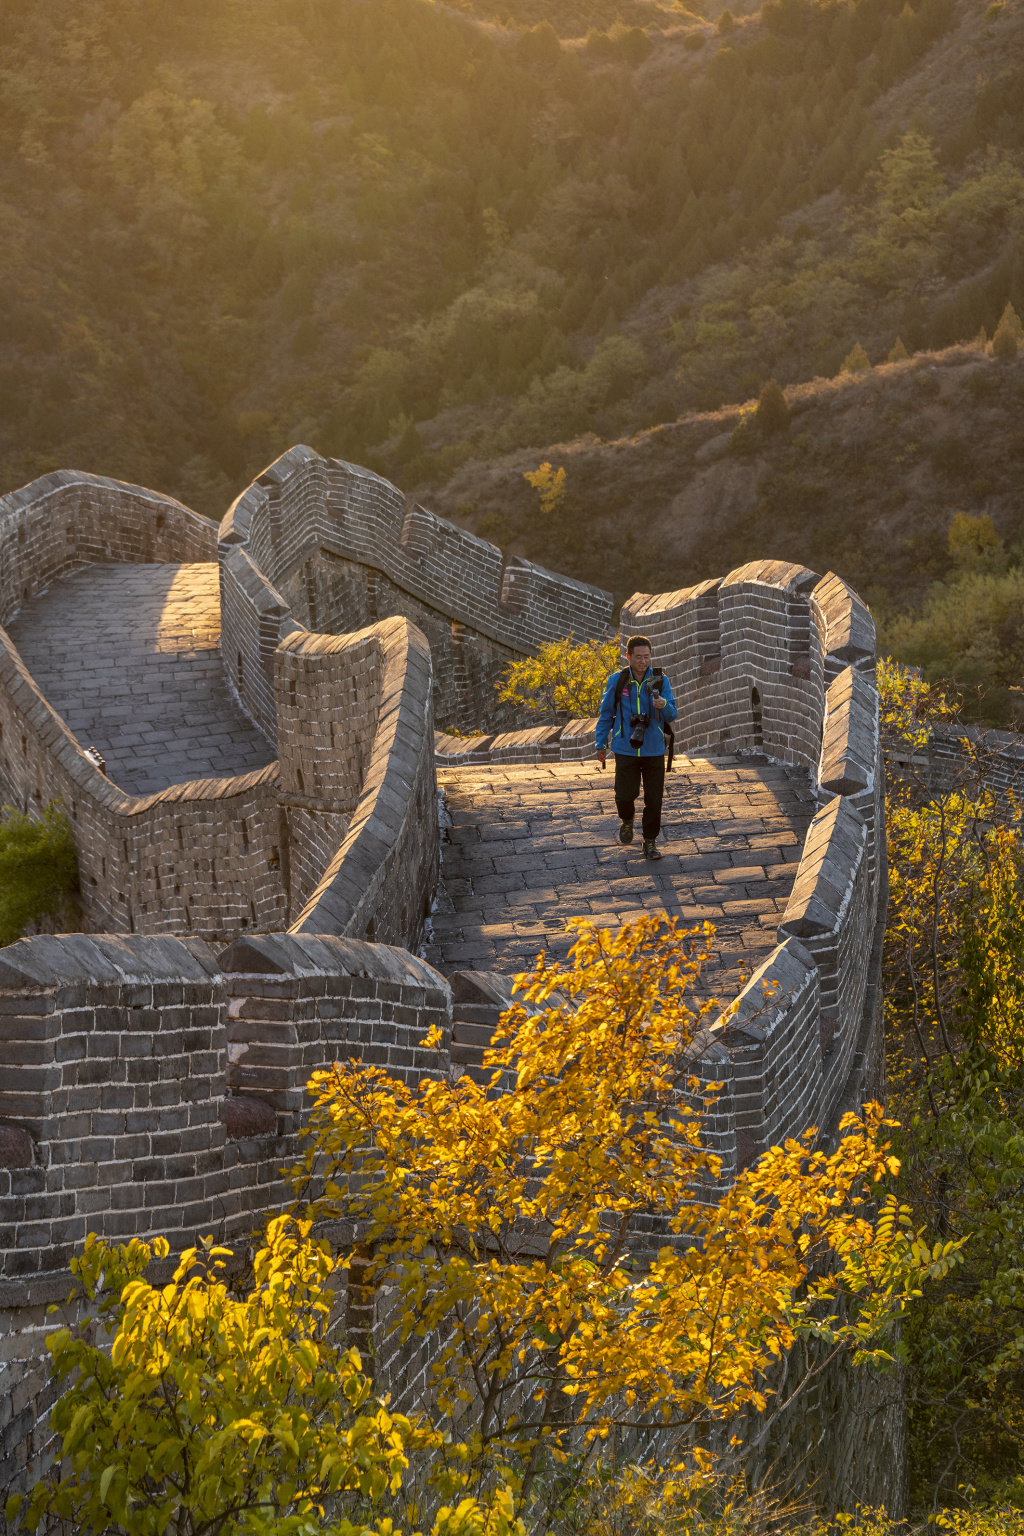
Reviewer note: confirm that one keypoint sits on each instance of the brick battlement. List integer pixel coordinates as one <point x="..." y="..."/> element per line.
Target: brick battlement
<point x="154" y="1071"/>
<point x="331" y="546"/>
<point x="315" y="833"/>
<point x="777" y="663"/>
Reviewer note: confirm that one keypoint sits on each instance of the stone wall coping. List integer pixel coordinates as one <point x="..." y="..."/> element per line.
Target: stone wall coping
<point x="849" y="627"/>
<point x="539" y="744"/>
<point x="492" y="988"/>
<point x="773" y="573"/>
<point x="849" y="748"/>
<point x="788" y="970"/>
<point x="56" y="960"/>
<point x="30" y="495"/>
<point x="821" y="893"/>
<point x="326" y="954"/>
<point x="638" y="604"/>
<point x="265" y="598"/>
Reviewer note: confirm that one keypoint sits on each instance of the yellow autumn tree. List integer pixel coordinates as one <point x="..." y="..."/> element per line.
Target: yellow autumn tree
<point x="954" y="1003"/>
<point x="563" y="681"/>
<point x="502" y="1222"/>
<point x="549" y="483"/>
<point x="214" y="1412"/>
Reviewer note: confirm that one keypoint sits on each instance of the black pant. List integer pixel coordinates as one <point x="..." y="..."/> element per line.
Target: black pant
<point x="629" y="771"/>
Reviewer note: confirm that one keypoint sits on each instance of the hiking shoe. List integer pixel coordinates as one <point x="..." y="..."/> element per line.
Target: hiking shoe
<point x="626" y="832"/>
<point x="651" y="850"/>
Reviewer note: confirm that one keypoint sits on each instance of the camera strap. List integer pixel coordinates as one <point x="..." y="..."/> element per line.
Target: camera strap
<point x="625" y="677"/>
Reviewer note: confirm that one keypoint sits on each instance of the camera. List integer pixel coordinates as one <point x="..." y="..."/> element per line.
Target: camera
<point x="637" y="729"/>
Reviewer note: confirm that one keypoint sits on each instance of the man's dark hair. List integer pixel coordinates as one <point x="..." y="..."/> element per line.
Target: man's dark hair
<point x="636" y="640"/>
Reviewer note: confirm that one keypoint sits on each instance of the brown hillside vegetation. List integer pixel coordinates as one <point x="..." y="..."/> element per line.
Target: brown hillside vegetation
<point x="866" y="482"/>
<point x="413" y="234"/>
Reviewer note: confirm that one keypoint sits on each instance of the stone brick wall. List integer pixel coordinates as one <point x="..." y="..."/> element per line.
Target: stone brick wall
<point x="67" y="520"/>
<point x="337" y="548"/>
<point x="298" y="1002"/>
<point x="200" y="857"/>
<point x="744" y="658"/>
<point x="777" y="661"/>
<point x="963" y="758"/>
<point x="150" y="1087"/>
<point x="218" y="856"/>
<point x="380" y="882"/>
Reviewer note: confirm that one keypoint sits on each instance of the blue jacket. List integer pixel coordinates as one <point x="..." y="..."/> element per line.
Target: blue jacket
<point x="634" y="700"/>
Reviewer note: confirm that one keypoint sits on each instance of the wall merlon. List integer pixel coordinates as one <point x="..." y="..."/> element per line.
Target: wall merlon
<point x="847" y="628"/>
<point x="849" y="748"/>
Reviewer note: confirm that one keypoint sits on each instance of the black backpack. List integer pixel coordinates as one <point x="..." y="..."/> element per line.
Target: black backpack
<point x="624" y="677"/>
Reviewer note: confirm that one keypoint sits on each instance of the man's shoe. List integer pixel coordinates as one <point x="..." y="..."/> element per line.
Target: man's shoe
<point x="651" y="850"/>
<point x="626" y="832"/>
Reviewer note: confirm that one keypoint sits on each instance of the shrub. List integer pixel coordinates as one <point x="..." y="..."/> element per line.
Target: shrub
<point x="540" y="44"/>
<point x="215" y="1411"/>
<point x="974" y="543"/>
<point x="897" y="352"/>
<point x="745" y="437"/>
<point x="694" y="42"/>
<point x="631" y="43"/>
<point x="773" y="413"/>
<point x="1012" y="321"/>
<point x="970" y="629"/>
<point x="38" y="870"/>
<point x="549" y="483"/>
<point x="952" y="457"/>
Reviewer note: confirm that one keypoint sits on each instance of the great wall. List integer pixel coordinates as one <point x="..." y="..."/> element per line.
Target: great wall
<point x="240" y="725"/>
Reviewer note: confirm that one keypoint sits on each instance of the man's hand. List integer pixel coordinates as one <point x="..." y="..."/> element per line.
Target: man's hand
<point x="657" y="700"/>
<point x="601" y="756"/>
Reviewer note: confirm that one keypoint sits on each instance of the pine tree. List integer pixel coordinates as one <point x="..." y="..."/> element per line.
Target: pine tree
<point x="897" y="352"/>
<point x="1011" y="320"/>
<point x="772" y="413"/>
<point x="856" y="361"/>
<point x="1004" y="342"/>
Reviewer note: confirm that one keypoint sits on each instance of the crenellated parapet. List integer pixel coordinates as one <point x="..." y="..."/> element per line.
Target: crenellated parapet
<point x="342" y="826"/>
<point x="774" y="661"/>
<point x="336" y="548"/>
<point x="67" y="520"/>
<point x="153" y="1087"/>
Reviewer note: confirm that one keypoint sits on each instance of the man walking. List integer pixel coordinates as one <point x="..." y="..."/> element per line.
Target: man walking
<point x="636" y="707"/>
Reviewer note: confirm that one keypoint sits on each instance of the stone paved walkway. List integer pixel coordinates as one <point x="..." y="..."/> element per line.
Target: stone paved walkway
<point x="531" y="846"/>
<point x="127" y="654"/>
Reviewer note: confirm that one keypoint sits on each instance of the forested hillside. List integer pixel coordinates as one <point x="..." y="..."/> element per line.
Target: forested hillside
<point x="439" y="239"/>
